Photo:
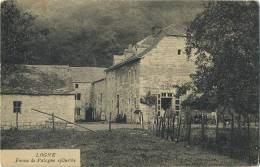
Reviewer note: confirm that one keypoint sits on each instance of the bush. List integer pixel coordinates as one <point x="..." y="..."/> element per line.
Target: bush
<point x="121" y="118"/>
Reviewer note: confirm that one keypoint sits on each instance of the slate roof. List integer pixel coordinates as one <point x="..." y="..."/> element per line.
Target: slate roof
<point x="87" y="74"/>
<point x="38" y="80"/>
<point x="148" y="43"/>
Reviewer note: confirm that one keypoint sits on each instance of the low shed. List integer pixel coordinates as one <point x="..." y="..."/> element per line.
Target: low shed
<point x="47" y="88"/>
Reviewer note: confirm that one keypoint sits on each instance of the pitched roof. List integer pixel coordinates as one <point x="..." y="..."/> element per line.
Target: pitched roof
<point x="38" y="79"/>
<point x="148" y="43"/>
<point x="87" y="74"/>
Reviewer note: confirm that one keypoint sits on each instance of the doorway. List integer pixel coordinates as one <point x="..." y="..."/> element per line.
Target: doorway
<point x="166" y="103"/>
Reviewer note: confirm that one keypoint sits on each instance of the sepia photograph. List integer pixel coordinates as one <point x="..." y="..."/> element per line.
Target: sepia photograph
<point x="129" y="83"/>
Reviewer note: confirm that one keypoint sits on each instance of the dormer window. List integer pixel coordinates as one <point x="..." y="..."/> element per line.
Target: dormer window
<point x="76" y="85"/>
<point x="179" y="51"/>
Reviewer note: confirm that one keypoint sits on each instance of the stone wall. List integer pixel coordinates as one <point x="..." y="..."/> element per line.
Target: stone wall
<point x="163" y="67"/>
<point x="98" y="100"/>
<point x="122" y="91"/>
<point x="61" y="105"/>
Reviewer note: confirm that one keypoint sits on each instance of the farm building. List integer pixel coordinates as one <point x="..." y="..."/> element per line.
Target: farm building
<point x="47" y="88"/>
<point x="82" y="79"/>
<point x="155" y="65"/>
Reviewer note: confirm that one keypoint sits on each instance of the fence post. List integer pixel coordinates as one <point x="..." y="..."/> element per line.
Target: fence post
<point x="142" y="118"/>
<point x="179" y="128"/>
<point x="16" y="120"/>
<point x="53" y="123"/>
<point x="248" y="138"/>
<point x="109" y="122"/>
<point x="189" y="128"/>
<point x="202" y="129"/>
<point x="217" y="130"/>
<point x="231" y="135"/>
<point x="168" y="127"/>
<point x="173" y="122"/>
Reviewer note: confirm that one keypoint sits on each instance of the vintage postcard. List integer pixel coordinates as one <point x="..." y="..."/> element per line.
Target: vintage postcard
<point x="138" y="83"/>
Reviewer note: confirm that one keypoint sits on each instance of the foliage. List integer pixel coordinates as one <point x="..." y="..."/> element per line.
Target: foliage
<point x="149" y="99"/>
<point x="19" y="34"/>
<point x="82" y="33"/>
<point x="225" y="41"/>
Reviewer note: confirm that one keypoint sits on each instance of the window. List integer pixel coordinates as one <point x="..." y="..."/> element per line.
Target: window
<point x="158" y="95"/>
<point x="179" y="51"/>
<point x="170" y="94"/>
<point x="77" y="96"/>
<point x="177" y="101"/>
<point x="17" y="106"/>
<point x="159" y="101"/>
<point x="159" y="107"/>
<point x="76" y="85"/>
<point x="77" y="111"/>
<point x="164" y="94"/>
<point x="177" y="108"/>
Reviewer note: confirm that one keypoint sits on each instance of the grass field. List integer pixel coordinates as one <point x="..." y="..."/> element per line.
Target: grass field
<point x="121" y="147"/>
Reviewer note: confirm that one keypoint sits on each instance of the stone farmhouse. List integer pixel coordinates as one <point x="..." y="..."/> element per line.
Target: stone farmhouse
<point x="155" y="65"/>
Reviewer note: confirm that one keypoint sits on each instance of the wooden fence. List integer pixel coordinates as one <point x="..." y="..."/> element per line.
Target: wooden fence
<point x="232" y="138"/>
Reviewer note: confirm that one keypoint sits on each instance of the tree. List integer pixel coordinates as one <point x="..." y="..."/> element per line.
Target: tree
<point x="225" y="41"/>
<point x="19" y="34"/>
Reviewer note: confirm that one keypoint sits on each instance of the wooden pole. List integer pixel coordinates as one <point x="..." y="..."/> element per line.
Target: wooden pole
<point x="168" y="127"/>
<point x="64" y="120"/>
<point x="142" y="118"/>
<point x="53" y="122"/>
<point x="173" y="122"/>
<point x="179" y="128"/>
<point x="248" y="138"/>
<point x="16" y="120"/>
<point x="202" y="128"/>
<point x="231" y="135"/>
<point x="217" y="129"/>
<point x="189" y="129"/>
<point x="109" y="122"/>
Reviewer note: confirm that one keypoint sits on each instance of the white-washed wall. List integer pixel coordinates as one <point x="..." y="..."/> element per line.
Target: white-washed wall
<point x="61" y="105"/>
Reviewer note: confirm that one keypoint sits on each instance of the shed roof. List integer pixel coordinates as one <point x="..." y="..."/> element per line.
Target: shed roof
<point x="87" y="74"/>
<point x="37" y="80"/>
